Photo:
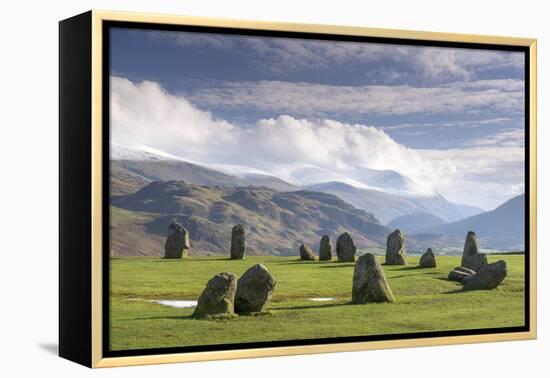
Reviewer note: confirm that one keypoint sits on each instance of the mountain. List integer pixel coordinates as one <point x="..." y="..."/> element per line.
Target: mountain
<point x="502" y="228"/>
<point x="277" y="222"/>
<point x="387" y="206"/>
<point x="164" y="170"/>
<point x="413" y="223"/>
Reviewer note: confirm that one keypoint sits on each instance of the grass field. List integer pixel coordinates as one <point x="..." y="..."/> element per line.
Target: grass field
<point x="426" y="301"/>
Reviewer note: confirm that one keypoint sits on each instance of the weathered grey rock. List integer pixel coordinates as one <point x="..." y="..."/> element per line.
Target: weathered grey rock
<point x="369" y="282"/>
<point x="177" y="242"/>
<point x="345" y="248"/>
<point x="306" y="253"/>
<point x="459" y="276"/>
<point x="238" y="242"/>
<point x="488" y="277"/>
<point x="471" y="258"/>
<point x="396" y="253"/>
<point x="325" y="249"/>
<point x="254" y="289"/>
<point x="217" y="299"/>
<point x="428" y="259"/>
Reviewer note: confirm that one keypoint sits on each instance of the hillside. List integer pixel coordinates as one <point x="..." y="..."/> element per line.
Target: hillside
<point x="505" y="225"/>
<point x="416" y="222"/>
<point x="387" y="206"/>
<point x="277" y="222"/>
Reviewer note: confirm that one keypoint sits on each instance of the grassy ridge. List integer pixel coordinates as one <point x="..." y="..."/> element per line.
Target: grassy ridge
<point x="426" y="301"/>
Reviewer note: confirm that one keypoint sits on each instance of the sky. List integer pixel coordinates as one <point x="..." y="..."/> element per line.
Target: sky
<point x="451" y="120"/>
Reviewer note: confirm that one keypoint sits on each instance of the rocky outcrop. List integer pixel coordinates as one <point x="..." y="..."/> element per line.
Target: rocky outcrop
<point x="238" y="242"/>
<point x="217" y="299"/>
<point x="254" y="289"/>
<point x="325" y="249"/>
<point x="306" y="253"/>
<point x="345" y="248"/>
<point x="459" y="275"/>
<point x="369" y="282"/>
<point x="177" y="242"/>
<point x="396" y="253"/>
<point x="488" y="277"/>
<point x="428" y="259"/>
<point x="471" y="258"/>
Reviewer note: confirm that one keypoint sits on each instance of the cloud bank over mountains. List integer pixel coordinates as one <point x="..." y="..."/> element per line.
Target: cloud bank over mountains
<point x="484" y="174"/>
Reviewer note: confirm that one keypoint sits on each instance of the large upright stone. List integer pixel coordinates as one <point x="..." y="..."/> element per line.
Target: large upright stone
<point x="177" y="242"/>
<point x="325" y="249"/>
<point x="396" y="253"/>
<point x="238" y="242"/>
<point x="369" y="282"/>
<point x="471" y="258"/>
<point x="306" y="253"/>
<point x="345" y="248"/>
<point x="254" y="289"/>
<point x="428" y="259"/>
<point x="488" y="277"/>
<point x="217" y="299"/>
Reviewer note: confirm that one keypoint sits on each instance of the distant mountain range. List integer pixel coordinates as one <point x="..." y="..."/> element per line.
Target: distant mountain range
<point x="278" y="222"/>
<point x="503" y="227"/>
<point x="221" y="195"/>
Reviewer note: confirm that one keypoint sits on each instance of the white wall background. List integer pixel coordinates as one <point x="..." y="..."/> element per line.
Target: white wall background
<point x="28" y="210"/>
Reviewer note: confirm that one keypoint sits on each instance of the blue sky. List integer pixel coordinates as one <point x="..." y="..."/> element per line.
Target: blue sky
<point x="434" y="103"/>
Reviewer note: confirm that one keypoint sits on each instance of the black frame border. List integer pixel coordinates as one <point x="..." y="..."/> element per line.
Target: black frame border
<point x="106" y="27"/>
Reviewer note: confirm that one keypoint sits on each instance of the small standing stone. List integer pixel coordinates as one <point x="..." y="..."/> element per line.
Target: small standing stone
<point x="177" y="242"/>
<point x="488" y="277"/>
<point x="217" y="299"/>
<point x="345" y="248"/>
<point x="471" y="258"/>
<point x="369" y="282"/>
<point x="325" y="249"/>
<point x="428" y="259"/>
<point x="306" y="253"/>
<point x="254" y="289"/>
<point x="238" y="242"/>
<point x="396" y="253"/>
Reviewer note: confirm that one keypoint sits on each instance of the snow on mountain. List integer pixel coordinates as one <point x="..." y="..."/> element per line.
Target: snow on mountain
<point x="298" y="175"/>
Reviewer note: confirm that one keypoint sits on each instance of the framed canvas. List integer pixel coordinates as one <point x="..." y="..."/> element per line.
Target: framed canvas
<point x="234" y="189"/>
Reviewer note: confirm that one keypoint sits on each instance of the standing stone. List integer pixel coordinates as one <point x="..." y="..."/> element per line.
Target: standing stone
<point x="306" y="253"/>
<point x="254" y="289"/>
<point x="325" y="249"/>
<point x="471" y="258"/>
<point x="238" y="242"/>
<point x="345" y="248"/>
<point x="488" y="277"/>
<point x="428" y="259"/>
<point x="369" y="282"/>
<point x="396" y="253"/>
<point x="217" y="299"/>
<point x="177" y="242"/>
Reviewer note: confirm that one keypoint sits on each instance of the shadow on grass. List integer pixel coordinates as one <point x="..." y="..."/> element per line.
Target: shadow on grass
<point x="306" y="307"/>
<point x="411" y="275"/>
<point x="339" y="265"/>
<point x="191" y="260"/>
<point x="456" y="291"/>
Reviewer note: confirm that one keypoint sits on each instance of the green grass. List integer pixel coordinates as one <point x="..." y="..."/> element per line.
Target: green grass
<point x="426" y="301"/>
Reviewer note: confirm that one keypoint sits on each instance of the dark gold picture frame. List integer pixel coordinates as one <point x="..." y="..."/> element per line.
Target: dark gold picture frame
<point x="84" y="188"/>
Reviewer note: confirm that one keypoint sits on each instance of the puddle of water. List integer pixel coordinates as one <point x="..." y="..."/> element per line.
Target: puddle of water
<point x="169" y="302"/>
<point x="176" y="304"/>
<point x="321" y="299"/>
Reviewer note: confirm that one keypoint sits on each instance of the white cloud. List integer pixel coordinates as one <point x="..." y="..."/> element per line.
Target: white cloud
<point x="288" y="54"/>
<point x="319" y="99"/>
<point x="504" y="138"/>
<point x="144" y="114"/>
